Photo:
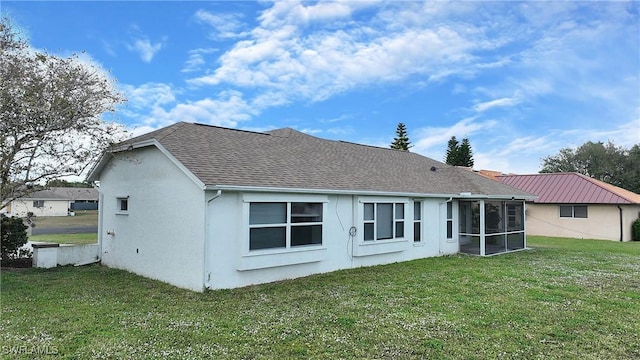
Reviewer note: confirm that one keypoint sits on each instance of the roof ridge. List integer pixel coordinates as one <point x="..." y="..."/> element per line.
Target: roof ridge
<point x="228" y="128"/>
<point x="371" y="146"/>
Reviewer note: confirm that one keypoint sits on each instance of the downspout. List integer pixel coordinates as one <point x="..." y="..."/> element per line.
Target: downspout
<point x="100" y="219"/>
<point x="217" y="195"/>
<point x="207" y="275"/>
<point x="621" y="224"/>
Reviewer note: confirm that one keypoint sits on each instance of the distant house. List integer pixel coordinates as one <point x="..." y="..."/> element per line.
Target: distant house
<point x="205" y="207"/>
<point x="576" y="206"/>
<point x="55" y="201"/>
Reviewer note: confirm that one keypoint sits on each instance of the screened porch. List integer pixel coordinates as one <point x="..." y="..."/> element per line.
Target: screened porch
<point x="488" y="227"/>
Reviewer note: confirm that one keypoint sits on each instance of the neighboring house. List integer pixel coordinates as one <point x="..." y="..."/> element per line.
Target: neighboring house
<point x="577" y="206"/>
<point x="55" y="201"/>
<point x="205" y="207"/>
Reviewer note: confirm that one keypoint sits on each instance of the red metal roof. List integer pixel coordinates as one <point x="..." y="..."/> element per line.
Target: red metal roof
<point x="570" y="188"/>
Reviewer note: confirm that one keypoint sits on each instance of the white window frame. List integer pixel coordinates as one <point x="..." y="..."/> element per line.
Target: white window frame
<point x="119" y="201"/>
<point x="417" y="220"/>
<point x="288" y="225"/>
<point x="394" y="220"/>
<point x="281" y="198"/>
<point x="573" y="211"/>
<point x="449" y="222"/>
<point x="38" y="204"/>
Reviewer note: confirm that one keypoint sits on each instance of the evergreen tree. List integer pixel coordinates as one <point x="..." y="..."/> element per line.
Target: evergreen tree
<point x="401" y="141"/>
<point x="459" y="154"/>
<point x="465" y="155"/>
<point x="452" y="151"/>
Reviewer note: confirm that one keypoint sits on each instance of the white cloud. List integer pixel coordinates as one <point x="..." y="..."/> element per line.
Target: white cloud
<point x="502" y="102"/>
<point x="294" y="12"/>
<point x="196" y="59"/>
<point x="148" y="95"/>
<point x="322" y="64"/>
<point x="425" y="139"/>
<point x="227" y="109"/>
<point x="225" y="25"/>
<point x="145" y="48"/>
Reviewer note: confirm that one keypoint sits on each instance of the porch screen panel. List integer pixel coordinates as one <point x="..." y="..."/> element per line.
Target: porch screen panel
<point x="515" y="241"/>
<point x="494" y="217"/>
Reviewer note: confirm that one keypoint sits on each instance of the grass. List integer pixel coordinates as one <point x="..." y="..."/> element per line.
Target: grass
<point x="565" y="299"/>
<point x="78" y="239"/>
<point x="81" y="218"/>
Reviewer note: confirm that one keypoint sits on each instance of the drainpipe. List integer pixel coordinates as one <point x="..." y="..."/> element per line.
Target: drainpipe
<point x="621" y="224"/>
<point x="217" y="195"/>
<point x="207" y="280"/>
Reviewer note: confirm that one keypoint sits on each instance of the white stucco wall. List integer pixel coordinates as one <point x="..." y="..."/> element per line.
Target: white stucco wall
<point x="229" y="262"/>
<point x="602" y="222"/>
<point x="161" y="236"/>
<point x="20" y="208"/>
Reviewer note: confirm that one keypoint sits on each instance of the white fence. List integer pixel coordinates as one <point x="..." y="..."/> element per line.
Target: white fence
<point x="52" y="255"/>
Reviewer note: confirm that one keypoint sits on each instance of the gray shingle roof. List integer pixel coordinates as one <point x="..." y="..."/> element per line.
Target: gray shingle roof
<point x="287" y="158"/>
<point x="64" y="193"/>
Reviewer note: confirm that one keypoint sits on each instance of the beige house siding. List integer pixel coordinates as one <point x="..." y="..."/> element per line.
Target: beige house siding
<point x="602" y="222"/>
<point x="51" y="207"/>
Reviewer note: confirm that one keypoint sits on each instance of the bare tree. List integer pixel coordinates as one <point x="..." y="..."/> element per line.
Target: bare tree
<point x="50" y="115"/>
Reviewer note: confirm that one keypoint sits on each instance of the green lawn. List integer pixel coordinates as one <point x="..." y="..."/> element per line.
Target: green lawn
<point x="81" y="218"/>
<point x="79" y="239"/>
<point x="565" y="299"/>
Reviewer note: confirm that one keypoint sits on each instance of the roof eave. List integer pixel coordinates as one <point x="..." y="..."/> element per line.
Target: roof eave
<point x="362" y="192"/>
<point x="95" y="173"/>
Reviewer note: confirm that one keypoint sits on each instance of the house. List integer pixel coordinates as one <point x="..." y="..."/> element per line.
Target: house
<point x="206" y="207"/>
<point x="577" y="206"/>
<point x="54" y="201"/>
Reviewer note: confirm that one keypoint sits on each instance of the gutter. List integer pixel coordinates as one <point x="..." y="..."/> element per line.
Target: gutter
<point x="363" y="192"/>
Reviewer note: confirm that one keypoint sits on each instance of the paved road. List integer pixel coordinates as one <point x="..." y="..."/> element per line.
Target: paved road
<point x="68" y="230"/>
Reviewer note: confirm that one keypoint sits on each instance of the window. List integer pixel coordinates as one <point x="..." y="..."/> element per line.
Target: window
<point x="123" y="205"/>
<point x="383" y="221"/>
<point x="284" y="225"/>
<point x="417" y="221"/>
<point x="38" y="203"/>
<point x="449" y="220"/>
<point x="573" y="211"/>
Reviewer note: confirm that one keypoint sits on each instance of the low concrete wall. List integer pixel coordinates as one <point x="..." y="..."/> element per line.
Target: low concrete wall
<point x="52" y="255"/>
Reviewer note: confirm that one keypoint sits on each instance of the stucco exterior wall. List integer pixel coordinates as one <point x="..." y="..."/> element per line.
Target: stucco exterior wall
<point x="20" y="208"/>
<point x="161" y="235"/>
<point x="602" y="222"/>
<point x="230" y="263"/>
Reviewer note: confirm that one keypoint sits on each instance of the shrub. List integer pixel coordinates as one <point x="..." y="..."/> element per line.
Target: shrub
<point x="14" y="236"/>
<point x="635" y="230"/>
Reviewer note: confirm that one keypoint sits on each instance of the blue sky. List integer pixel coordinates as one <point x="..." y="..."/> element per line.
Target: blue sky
<point x="521" y="80"/>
